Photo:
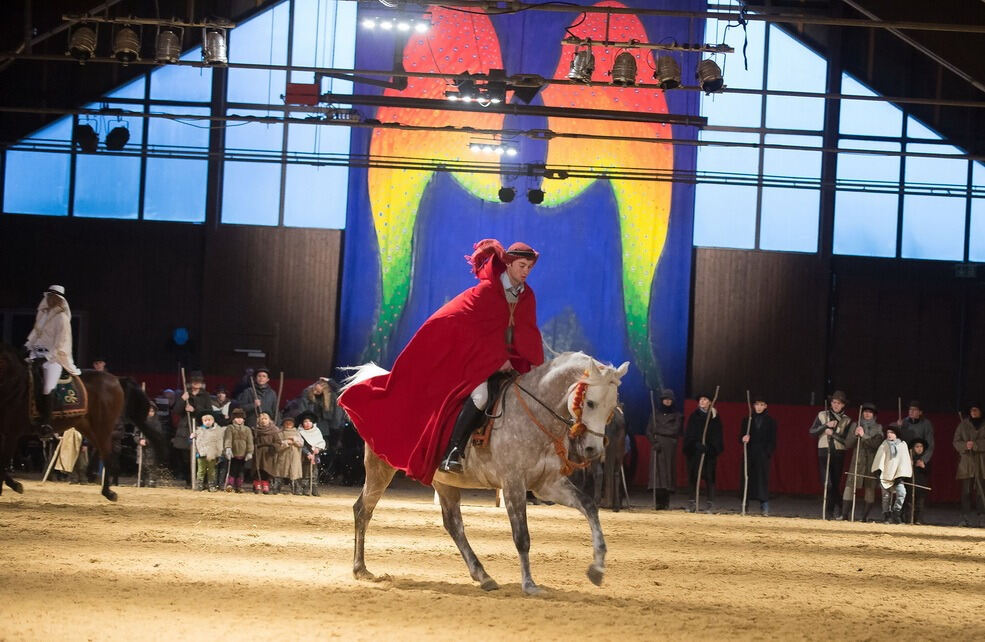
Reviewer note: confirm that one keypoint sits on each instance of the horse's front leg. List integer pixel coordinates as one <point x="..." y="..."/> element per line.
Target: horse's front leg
<point x="564" y="492"/>
<point x="515" y="495"/>
<point x="451" y="515"/>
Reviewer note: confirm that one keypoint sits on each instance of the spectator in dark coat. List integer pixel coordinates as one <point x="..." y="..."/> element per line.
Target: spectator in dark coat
<point x="760" y="445"/>
<point x="265" y="399"/>
<point x="711" y="446"/>
<point x="664" y="431"/>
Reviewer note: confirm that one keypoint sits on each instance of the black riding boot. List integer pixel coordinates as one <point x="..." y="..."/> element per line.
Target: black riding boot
<point x="467" y="421"/>
<point x="45" y="403"/>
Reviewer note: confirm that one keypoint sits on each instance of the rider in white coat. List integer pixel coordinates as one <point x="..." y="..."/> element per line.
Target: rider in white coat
<point x="51" y="340"/>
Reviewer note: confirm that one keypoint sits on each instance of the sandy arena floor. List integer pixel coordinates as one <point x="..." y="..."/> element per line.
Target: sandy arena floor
<point x="169" y="564"/>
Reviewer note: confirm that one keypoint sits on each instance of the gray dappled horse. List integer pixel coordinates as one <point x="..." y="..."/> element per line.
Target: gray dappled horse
<point x="524" y="452"/>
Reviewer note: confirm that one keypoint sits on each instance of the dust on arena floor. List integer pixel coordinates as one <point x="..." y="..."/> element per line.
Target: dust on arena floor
<point x="172" y="564"/>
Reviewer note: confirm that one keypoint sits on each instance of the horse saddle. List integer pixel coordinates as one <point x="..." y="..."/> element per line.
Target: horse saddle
<point x="70" y="398"/>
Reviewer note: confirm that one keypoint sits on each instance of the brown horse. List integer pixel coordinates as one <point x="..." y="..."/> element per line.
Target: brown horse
<point x="111" y="399"/>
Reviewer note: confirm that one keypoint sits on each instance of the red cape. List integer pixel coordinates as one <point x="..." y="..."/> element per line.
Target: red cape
<point x="407" y="416"/>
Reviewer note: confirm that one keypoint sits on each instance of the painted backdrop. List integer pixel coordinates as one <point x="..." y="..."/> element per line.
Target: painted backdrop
<point x="614" y="274"/>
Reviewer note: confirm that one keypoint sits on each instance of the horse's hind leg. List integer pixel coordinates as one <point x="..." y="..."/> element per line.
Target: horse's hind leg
<point x="5" y="456"/>
<point x="564" y="492"/>
<point x="515" y="496"/>
<point x="378" y="476"/>
<point x="451" y="515"/>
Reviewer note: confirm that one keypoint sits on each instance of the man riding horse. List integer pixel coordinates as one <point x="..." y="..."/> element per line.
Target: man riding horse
<point x="50" y="343"/>
<point x="488" y="329"/>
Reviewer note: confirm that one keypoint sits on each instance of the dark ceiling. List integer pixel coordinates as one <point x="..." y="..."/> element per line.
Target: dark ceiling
<point x="878" y="57"/>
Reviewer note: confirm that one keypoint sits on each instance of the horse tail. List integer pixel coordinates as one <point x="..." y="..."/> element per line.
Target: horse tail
<point x="360" y="374"/>
<point x="136" y="411"/>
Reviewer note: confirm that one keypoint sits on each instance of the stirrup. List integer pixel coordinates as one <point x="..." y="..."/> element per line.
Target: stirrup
<point x="452" y="463"/>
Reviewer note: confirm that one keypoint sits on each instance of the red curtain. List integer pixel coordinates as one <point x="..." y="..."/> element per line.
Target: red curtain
<point x="794" y="466"/>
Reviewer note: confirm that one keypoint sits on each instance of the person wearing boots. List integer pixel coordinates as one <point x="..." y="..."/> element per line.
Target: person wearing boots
<point x="969" y="441"/>
<point x="711" y="447"/>
<point x="760" y="444"/>
<point x="266" y="439"/>
<point x="313" y="444"/>
<point x="921" y="477"/>
<point x="892" y="466"/>
<point x="208" y="438"/>
<point x="50" y="345"/>
<point x="864" y="440"/>
<point x="664" y="431"/>
<point x="831" y="427"/>
<point x="288" y="462"/>
<point x="488" y="328"/>
<point x="238" y="444"/>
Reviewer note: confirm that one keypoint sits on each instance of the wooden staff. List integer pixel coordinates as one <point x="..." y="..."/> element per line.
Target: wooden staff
<point x="311" y="474"/>
<point x="745" y="454"/>
<point x="256" y="399"/>
<point x="280" y="389"/>
<point x="51" y="464"/>
<point x="856" y="456"/>
<point x="827" y="467"/>
<point x="653" y="455"/>
<point x="977" y="478"/>
<point x="140" y="449"/>
<point x="904" y="483"/>
<point x="191" y="431"/>
<point x="701" y="462"/>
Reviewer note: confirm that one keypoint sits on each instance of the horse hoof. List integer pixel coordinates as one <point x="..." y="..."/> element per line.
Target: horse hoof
<point x="363" y="574"/>
<point x="531" y="589"/>
<point x="489" y="584"/>
<point x="595" y="574"/>
<point x="110" y="495"/>
<point x="17" y="487"/>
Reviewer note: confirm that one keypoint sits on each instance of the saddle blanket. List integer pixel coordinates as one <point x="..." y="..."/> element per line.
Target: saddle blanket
<point x="71" y="398"/>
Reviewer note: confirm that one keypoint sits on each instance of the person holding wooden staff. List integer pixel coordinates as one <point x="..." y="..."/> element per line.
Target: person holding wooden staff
<point x="760" y="444"/>
<point x="831" y="427"/>
<point x="664" y="431"/>
<point x="700" y="442"/>
<point x="969" y="441"/>
<point x="864" y="440"/>
<point x="312" y="446"/>
<point x="258" y="397"/>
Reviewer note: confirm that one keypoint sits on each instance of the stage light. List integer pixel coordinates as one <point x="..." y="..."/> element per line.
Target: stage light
<point x="511" y="151"/>
<point x="535" y="196"/>
<point x="709" y="74"/>
<point x="386" y="25"/>
<point x="582" y="64"/>
<point x="117" y="138"/>
<point x="126" y="45"/>
<point x="369" y="23"/>
<point x="86" y="138"/>
<point x="507" y="194"/>
<point x="487" y="149"/>
<point x="499" y="151"/>
<point x="403" y="26"/>
<point x="475" y="147"/>
<point x="668" y="73"/>
<point x="214" y="47"/>
<point x="466" y="99"/>
<point x="82" y="43"/>
<point x="421" y="27"/>
<point x="168" y="46"/>
<point x="624" y="70"/>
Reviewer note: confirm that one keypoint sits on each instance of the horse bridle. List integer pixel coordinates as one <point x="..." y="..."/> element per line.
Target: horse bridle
<point x="575" y="426"/>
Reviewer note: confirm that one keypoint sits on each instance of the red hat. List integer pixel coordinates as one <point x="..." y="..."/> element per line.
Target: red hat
<point x="521" y="251"/>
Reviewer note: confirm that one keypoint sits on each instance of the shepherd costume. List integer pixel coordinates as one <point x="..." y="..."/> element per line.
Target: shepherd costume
<point x="407" y="416"/>
<point x="892" y="465"/>
<point x="664" y="430"/>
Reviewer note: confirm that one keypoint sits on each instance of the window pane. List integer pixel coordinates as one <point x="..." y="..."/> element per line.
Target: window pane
<point x="794" y="67"/>
<point x="725" y="216"/>
<point x="133" y="90"/>
<point x="175" y="190"/>
<point x="865" y="223"/>
<point x="37" y="182"/>
<point x="251" y="193"/>
<point x="324" y="36"/>
<point x="737" y="110"/>
<point x="867" y="118"/>
<point x="933" y="227"/>
<point x="976" y="249"/>
<point x="789" y="162"/>
<point x="869" y="167"/>
<point x="941" y="171"/>
<point x="733" y="160"/>
<point x="316" y="196"/>
<point x="247" y="135"/>
<point x="165" y="133"/>
<point x="261" y="40"/>
<point x="182" y="83"/>
<point x="107" y="186"/>
<point x="789" y="219"/>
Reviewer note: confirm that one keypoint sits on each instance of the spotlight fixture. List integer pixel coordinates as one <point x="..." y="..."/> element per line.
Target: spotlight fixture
<point x="493" y="147"/>
<point x="467" y="91"/>
<point x="86" y="138"/>
<point x="624" y="70"/>
<point x="668" y="73"/>
<point x="126" y="45"/>
<point x="582" y="63"/>
<point x="535" y="196"/>
<point x="168" y="45"/>
<point x="401" y="24"/>
<point x="507" y="194"/>
<point x="214" y="46"/>
<point x="368" y="23"/>
<point x="82" y="43"/>
<point x="709" y="74"/>
<point x="118" y="137"/>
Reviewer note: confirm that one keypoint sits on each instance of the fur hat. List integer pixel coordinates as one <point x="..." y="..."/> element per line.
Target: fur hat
<point x="237" y="412"/>
<point x="973" y="404"/>
<point x="890" y="428"/>
<point x="915" y="404"/>
<point x="840" y="396"/>
<point x="261" y="369"/>
<point x="756" y="398"/>
<point x="196" y="376"/>
<point x="871" y="407"/>
<point x="920" y="441"/>
<point x="299" y="420"/>
<point x="667" y="393"/>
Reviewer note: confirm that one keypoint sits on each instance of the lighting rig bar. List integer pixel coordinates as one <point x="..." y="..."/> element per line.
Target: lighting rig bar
<point x="636" y="44"/>
<point x="219" y="23"/>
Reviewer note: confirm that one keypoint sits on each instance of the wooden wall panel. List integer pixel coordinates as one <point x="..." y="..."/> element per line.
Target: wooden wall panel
<point x="758" y="322"/>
